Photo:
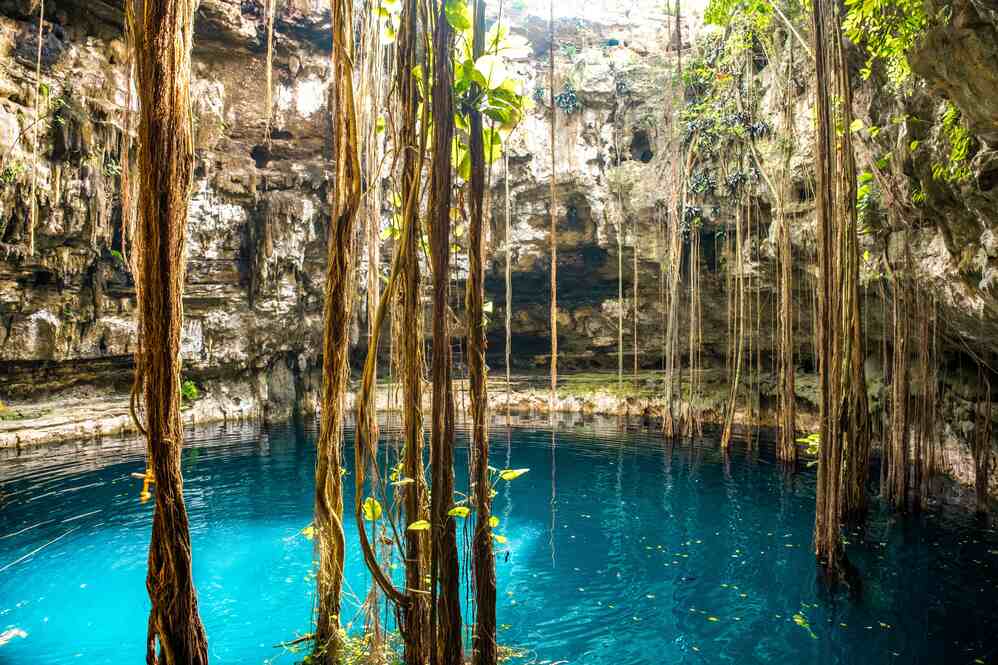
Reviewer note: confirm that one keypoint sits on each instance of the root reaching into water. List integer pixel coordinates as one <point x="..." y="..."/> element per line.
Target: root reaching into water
<point x="553" y="213"/>
<point x="33" y="214"/>
<point x="163" y="34"/>
<point x="338" y="306"/>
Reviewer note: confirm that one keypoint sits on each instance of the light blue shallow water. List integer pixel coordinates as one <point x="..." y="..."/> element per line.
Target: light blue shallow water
<point x="621" y="549"/>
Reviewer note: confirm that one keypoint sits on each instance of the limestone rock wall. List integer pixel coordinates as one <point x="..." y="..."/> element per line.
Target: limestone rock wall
<point x="258" y="215"/>
<point x="256" y="234"/>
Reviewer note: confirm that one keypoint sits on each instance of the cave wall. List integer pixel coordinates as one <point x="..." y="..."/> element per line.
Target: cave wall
<point x="258" y="214"/>
<point x="257" y="221"/>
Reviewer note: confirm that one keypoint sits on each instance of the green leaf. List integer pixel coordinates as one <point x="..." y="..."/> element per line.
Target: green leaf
<point x="419" y="525"/>
<point x="372" y="509"/>
<point x="458" y="15"/>
<point x="308" y="532"/>
<point x="512" y="474"/>
<point x="493" y="70"/>
<point x="459" y="511"/>
<point x="856" y="125"/>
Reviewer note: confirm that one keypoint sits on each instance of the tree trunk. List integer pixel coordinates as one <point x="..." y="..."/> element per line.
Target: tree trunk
<point x="445" y="574"/>
<point x="484" y="649"/>
<point x="786" y="449"/>
<point x="845" y="437"/>
<point x="339" y="292"/>
<point x="828" y="548"/>
<point x="163" y="33"/>
<point x="982" y="453"/>
<point x="416" y="613"/>
<point x="855" y="416"/>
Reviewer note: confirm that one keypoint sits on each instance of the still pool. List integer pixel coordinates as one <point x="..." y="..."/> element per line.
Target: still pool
<point x="621" y="549"/>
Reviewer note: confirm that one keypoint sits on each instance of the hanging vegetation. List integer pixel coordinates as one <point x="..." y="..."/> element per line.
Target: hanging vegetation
<point x="844" y="435"/>
<point x="163" y="34"/>
<point x="675" y="210"/>
<point x="423" y="97"/>
<point x="411" y="140"/>
<point x="786" y="365"/>
<point x="896" y="448"/>
<point x="553" y="214"/>
<point x="984" y="462"/>
<point x="445" y="574"/>
<point x="338" y="305"/>
<point x="33" y="213"/>
<point x="484" y="648"/>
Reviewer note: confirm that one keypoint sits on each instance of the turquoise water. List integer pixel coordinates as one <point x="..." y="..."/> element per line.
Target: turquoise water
<point x="621" y="549"/>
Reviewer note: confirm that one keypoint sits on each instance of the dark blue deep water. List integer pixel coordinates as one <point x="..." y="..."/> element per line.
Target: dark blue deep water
<point x="621" y="549"/>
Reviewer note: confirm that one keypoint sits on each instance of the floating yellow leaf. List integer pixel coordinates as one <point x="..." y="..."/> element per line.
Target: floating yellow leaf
<point x="372" y="509"/>
<point x="512" y="474"/>
<point x="418" y="525"/>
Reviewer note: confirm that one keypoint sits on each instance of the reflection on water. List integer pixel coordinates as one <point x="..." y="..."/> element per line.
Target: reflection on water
<point x="622" y="548"/>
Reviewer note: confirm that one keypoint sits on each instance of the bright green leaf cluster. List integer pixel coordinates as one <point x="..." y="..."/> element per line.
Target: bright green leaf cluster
<point x="888" y="29"/>
<point x="486" y="84"/>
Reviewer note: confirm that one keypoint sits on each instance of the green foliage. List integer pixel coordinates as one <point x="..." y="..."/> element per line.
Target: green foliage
<point x="719" y="116"/>
<point x="189" y="391"/>
<point x="459" y="15"/>
<point x="485" y="84"/>
<point x="11" y="172"/>
<point x="887" y="29"/>
<point x="540" y="95"/>
<point x="569" y="51"/>
<point x="722" y="12"/>
<point x="703" y="182"/>
<point x="957" y="169"/>
<point x="389" y="15"/>
<point x="867" y="202"/>
<point x="568" y="99"/>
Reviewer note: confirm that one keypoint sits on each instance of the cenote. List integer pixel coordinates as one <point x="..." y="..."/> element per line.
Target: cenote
<point x="430" y="332"/>
<point x="620" y="548"/>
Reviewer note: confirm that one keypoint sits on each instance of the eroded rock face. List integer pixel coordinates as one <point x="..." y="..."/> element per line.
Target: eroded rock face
<point x="256" y="233"/>
<point x="258" y="212"/>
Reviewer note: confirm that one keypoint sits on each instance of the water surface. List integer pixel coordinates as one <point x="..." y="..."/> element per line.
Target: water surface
<point x="621" y="549"/>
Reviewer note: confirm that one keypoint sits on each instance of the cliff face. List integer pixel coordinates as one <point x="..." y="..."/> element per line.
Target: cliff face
<point x="256" y="234"/>
<point x="258" y="216"/>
